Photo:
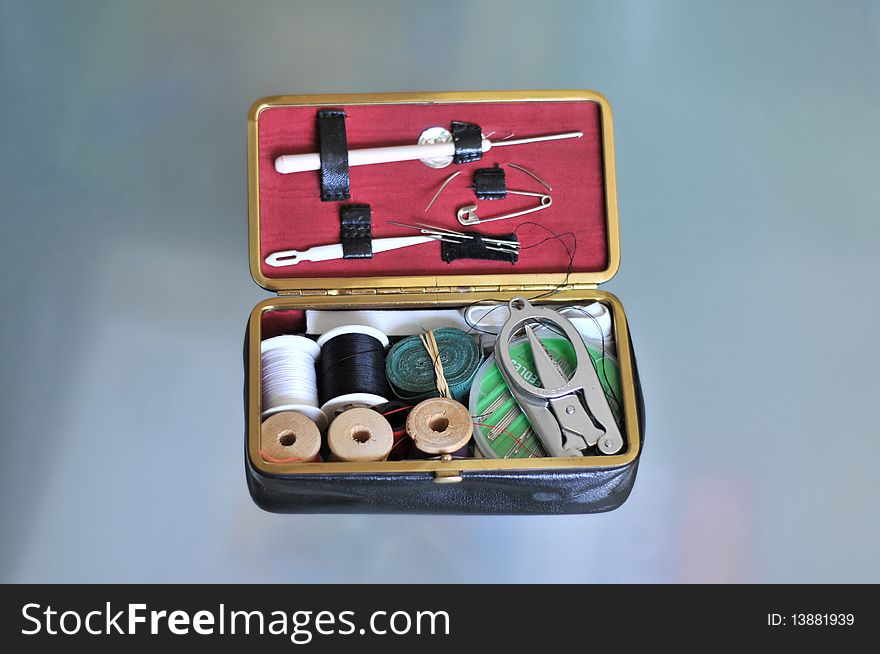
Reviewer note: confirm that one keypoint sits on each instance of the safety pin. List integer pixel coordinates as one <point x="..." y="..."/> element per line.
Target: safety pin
<point x="467" y="215"/>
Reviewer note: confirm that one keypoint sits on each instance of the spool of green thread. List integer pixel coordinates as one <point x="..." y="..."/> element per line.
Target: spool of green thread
<point x="491" y="401"/>
<point x="410" y="369"/>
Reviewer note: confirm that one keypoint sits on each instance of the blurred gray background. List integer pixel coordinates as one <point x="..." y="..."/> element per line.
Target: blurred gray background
<point x="747" y="156"/>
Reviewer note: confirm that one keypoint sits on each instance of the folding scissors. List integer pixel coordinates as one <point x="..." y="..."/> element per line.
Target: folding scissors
<point x="568" y="415"/>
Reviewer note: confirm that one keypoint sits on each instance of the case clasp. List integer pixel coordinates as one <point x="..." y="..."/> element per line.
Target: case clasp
<point x="447" y="476"/>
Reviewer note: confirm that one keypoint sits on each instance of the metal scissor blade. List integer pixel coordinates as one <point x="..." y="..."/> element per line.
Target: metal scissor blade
<point x="548" y="372"/>
<point x="577" y="429"/>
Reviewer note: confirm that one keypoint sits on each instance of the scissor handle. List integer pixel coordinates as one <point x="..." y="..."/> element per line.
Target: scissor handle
<point x="522" y="312"/>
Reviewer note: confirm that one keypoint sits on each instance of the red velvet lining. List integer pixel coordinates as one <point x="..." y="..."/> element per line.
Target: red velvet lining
<point x="292" y="215"/>
<point x="278" y="322"/>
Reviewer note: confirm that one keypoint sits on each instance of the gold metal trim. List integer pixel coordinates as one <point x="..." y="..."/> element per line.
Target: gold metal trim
<point x="576" y="280"/>
<point x="413" y="300"/>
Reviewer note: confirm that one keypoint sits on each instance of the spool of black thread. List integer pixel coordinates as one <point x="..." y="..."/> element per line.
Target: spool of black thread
<point x="351" y="370"/>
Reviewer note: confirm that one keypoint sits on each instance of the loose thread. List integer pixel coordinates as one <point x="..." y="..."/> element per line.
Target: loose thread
<point x="271" y="459"/>
<point x="398" y="410"/>
<point x="509" y="433"/>
<point x="570" y="252"/>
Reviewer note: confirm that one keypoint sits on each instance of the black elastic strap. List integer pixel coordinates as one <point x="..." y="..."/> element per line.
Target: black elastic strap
<point x="333" y="145"/>
<point x="475" y="248"/>
<point x="468" y="140"/>
<point x="490" y="183"/>
<point x="357" y="231"/>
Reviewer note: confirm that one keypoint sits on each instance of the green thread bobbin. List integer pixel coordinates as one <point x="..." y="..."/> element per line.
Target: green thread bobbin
<point x="498" y="419"/>
<point x="410" y="369"/>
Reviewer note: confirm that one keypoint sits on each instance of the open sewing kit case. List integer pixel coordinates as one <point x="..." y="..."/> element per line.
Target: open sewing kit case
<point x="563" y="251"/>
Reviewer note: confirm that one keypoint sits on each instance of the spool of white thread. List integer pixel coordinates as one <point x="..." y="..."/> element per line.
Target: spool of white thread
<point x="288" y="377"/>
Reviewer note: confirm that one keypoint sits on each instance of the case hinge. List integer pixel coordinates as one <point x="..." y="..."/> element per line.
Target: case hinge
<point x="398" y="290"/>
<point x="442" y="290"/>
<point x="323" y="292"/>
<point x="307" y="292"/>
<point x="544" y="288"/>
<point x="352" y="292"/>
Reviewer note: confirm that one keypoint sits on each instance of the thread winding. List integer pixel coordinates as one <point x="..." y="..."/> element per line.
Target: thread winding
<point x="288" y="377"/>
<point x="351" y="371"/>
<point x="411" y="369"/>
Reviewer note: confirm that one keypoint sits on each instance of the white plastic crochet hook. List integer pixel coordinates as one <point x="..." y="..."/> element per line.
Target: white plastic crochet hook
<point x="297" y="163"/>
<point x="334" y="251"/>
